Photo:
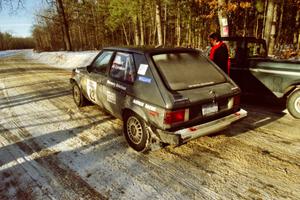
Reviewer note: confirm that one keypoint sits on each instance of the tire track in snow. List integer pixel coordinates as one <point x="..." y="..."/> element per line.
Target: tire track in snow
<point x="66" y="177"/>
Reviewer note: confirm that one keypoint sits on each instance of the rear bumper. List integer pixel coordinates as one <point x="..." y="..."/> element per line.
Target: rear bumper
<point x="184" y="135"/>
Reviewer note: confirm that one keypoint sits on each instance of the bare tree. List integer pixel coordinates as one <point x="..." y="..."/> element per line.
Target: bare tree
<point x="297" y="33"/>
<point x="269" y="20"/>
<point x="65" y="25"/>
<point x="178" y="24"/>
<point x="273" y="31"/>
<point x="158" y="23"/>
<point x="13" y="5"/>
<point x="95" y="23"/>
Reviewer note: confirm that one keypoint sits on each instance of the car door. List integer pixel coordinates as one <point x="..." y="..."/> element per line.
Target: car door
<point x="258" y="82"/>
<point x="238" y="68"/>
<point x="97" y="76"/>
<point x="119" y="82"/>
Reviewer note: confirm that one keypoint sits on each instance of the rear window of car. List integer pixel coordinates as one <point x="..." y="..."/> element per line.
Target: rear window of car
<point x="187" y="70"/>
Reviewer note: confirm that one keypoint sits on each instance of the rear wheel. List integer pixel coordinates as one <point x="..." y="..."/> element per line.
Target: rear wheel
<point x="293" y="104"/>
<point x="78" y="97"/>
<point x="135" y="132"/>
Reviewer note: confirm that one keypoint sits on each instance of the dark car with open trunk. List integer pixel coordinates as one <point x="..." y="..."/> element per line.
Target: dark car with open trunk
<point x="163" y="96"/>
<point x="263" y="77"/>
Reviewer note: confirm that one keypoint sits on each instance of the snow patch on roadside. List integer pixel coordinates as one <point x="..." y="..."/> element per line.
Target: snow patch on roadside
<point x="64" y="59"/>
<point x="9" y="53"/>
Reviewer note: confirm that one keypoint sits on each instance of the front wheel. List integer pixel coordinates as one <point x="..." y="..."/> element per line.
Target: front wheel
<point x="136" y="133"/>
<point x="293" y="104"/>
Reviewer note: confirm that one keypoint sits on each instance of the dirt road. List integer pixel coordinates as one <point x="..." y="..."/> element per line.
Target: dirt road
<point x="50" y="149"/>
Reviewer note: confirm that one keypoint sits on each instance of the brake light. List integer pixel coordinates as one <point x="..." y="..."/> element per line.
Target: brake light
<point x="172" y="117"/>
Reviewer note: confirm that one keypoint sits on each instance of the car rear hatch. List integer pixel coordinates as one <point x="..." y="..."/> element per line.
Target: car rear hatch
<point x="198" y="90"/>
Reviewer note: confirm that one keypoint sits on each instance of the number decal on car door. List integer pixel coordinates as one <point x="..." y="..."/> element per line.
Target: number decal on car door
<point x="91" y="89"/>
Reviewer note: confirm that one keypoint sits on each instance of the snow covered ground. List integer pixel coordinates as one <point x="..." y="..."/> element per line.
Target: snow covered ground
<point x="63" y="59"/>
<point x="51" y="149"/>
<point x="58" y="59"/>
<point x="9" y="53"/>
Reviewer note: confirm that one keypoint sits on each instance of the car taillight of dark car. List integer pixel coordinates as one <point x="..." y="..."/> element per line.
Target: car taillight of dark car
<point x="177" y="116"/>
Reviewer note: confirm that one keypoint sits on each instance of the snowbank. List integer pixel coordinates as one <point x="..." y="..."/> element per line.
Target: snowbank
<point x="9" y="53"/>
<point x="63" y="59"/>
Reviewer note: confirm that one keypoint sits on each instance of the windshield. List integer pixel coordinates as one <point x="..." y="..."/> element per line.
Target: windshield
<point x="187" y="70"/>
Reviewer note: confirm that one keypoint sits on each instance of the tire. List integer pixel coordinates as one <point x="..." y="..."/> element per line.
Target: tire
<point x="78" y="97"/>
<point x="293" y="104"/>
<point x="136" y="133"/>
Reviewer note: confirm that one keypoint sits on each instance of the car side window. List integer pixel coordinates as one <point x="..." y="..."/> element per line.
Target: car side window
<point x="256" y="49"/>
<point x="123" y="68"/>
<point x="101" y="64"/>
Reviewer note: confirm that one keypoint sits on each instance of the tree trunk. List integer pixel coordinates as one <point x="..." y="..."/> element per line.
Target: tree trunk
<point x="125" y="33"/>
<point x="95" y="27"/>
<point x="141" y="20"/>
<point x="296" y="34"/>
<point x="63" y="34"/>
<point x="257" y="25"/>
<point x="153" y="27"/>
<point x="136" y="31"/>
<point x="165" y="24"/>
<point x="280" y="22"/>
<point x="189" y="29"/>
<point x="273" y="31"/>
<point x="269" y="20"/>
<point x="264" y="18"/>
<point x="200" y="41"/>
<point x="61" y="11"/>
<point x="86" y="37"/>
<point x="178" y="25"/>
<point x="158" y="23"/>
<point x="245" y="23"/>
<point x="48" y="41"/>
<point x="79" y="46"/>
<point x="149" y="33"/>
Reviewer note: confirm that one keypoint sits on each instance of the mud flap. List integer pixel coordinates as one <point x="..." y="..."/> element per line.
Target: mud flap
<point x="154" y="143"/>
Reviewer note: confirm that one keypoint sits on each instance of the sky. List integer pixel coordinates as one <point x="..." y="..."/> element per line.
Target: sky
<point x="19" y="22"/>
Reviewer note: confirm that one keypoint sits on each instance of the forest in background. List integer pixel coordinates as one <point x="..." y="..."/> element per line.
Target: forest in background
<point x="7" y="41"/>
<point x="92" y="24"/>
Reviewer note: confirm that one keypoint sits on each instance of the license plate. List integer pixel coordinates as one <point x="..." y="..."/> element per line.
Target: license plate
<point x="208" y="109"/>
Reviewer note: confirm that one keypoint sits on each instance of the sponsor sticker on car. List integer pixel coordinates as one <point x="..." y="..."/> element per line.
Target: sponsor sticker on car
<point x="142" y="69"/>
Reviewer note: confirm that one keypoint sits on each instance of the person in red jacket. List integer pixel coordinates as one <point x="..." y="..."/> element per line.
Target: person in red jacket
<point x="219" y="52"/>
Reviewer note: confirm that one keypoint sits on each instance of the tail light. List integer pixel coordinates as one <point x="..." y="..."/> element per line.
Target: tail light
<point x="172" y="117"/>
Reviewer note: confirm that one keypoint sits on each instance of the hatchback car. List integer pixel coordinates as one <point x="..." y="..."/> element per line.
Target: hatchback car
<point x="163" y="96"/>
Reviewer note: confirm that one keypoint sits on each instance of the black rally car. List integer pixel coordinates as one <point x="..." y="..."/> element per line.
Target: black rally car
<point x="263" y="77"/>
<point x="162" y="95"/>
